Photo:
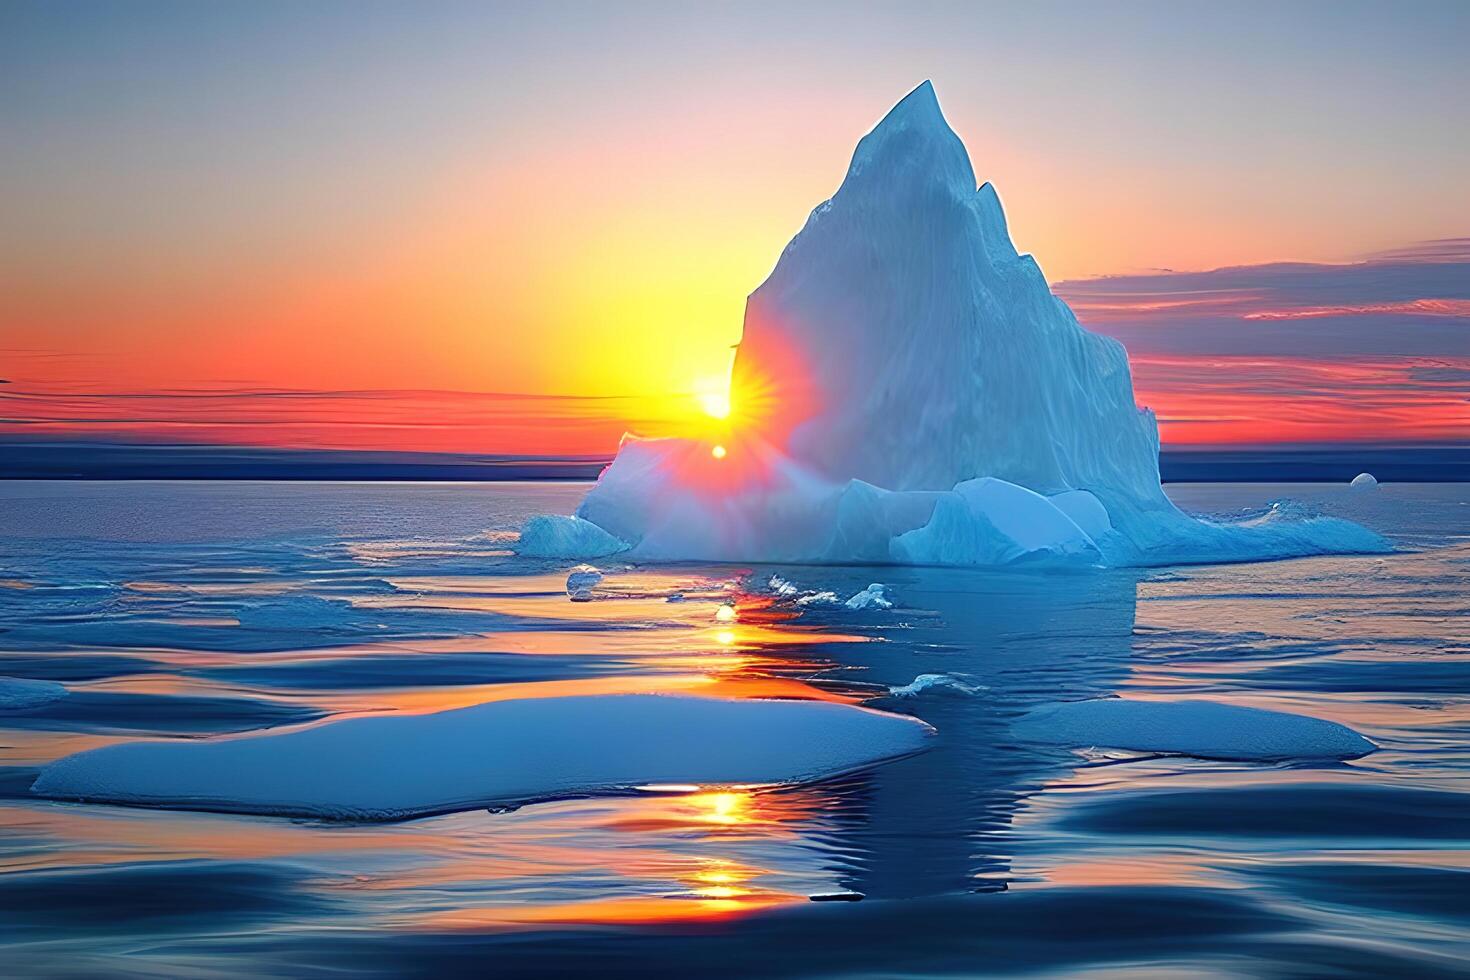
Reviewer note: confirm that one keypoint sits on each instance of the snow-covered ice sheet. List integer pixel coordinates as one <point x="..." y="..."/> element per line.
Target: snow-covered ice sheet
<point x="907" y="389"/>
<point x="505" y="752"/>
<point x="1198" y="728"/>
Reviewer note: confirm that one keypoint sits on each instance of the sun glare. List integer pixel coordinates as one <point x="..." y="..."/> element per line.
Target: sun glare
<point x="718" y="452"/>
<point x="715" y="404"/>
<point x="713" y="397"/>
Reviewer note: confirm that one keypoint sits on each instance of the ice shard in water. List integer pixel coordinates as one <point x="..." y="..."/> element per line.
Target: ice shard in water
<point x="907" y="389"/>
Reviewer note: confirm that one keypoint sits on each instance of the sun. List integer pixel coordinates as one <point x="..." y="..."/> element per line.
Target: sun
<point x="715" y="404"/>
<point x="718" y="452"/>
<point x="713" y="397"/>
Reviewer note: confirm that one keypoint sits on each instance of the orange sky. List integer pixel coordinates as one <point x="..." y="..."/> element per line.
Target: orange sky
<point x="332" y="202"/>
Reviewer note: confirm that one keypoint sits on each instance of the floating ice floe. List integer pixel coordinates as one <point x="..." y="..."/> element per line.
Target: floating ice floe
<point x="935" y="682"/>
<point x="1364" y="481"/>
<point x="784" y="589"/>
<point x="908" y="389"/>
<point x="503" y="752"/>
<point x="580" y="582"/>
<point x="559" y="536"/>
<point x="1199" y="728"/>
<point x="873" y="597"/>
<point x="781" y="587"/>
<point x="18" y="693"/>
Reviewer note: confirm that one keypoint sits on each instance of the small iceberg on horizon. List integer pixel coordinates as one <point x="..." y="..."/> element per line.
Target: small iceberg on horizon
<point x="1364" y="481"/>
<point x="1204" y="729"/>
<point x="394" y="767"/>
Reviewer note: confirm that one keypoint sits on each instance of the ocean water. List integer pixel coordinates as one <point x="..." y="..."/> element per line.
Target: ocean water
<point x="195" y="610"/>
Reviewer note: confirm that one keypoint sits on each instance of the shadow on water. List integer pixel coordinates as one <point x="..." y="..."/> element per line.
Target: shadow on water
<point x="936" y="823"/>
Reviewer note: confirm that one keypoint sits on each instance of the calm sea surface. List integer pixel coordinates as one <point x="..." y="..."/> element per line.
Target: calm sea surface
<point x="192" y="610"/>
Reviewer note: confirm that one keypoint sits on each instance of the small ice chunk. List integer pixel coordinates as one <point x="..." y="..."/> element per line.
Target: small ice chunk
<point x="945" y="682"/>
<point x="18" y="693"/>
<point x="559" y="536"/>
<point x="1204" y="729"/>
<point x="873" y="597"/>
<point x="389" y="767"/>
<point x="1364" y="481"/>
<point x="581" y="581"/>
<point x="781" y="587"/>
<point x="785" y="589"/>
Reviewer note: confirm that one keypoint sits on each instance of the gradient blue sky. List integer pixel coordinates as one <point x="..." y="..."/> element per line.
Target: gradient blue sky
<point x="575" y="197"/>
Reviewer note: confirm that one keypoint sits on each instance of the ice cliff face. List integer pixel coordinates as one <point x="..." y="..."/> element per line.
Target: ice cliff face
<point x="908" y="389"/>
<point x="935" y="353"/>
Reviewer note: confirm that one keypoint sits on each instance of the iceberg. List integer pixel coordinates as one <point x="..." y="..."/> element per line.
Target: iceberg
<point x="1364" y="481"/>
<point x="495" y="754"/>
<point x="1204" y="729"/>
<point x="907" y="389"/>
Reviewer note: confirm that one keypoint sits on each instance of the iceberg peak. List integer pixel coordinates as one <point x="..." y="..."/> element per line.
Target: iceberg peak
<point x="912" y="145"/>
<point x="920" y="106"/>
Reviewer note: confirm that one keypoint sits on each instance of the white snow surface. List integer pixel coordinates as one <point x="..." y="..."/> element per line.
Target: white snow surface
<point x="907" y="389"/>
<point x="1204" y="729"/>
<point x="559" y="536"/>
<point x="19" y="693"/>
<point x="1364" y="481"/>
<point x="504" y="752"/>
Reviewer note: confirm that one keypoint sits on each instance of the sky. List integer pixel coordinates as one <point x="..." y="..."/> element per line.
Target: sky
<point x="526" y="227"/>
